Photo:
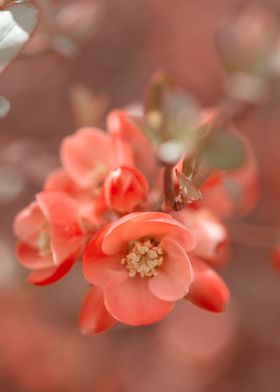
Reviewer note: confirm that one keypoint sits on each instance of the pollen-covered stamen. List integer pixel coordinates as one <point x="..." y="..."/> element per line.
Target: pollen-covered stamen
<point x="44" y="242"/>
<point x="143" y="258"/>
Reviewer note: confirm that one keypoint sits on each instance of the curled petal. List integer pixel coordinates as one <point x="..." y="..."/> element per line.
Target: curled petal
<point x="67" y="233"/>
<point x="28" y="224"/>
<point x="125" y="188"/>
<point x="31" y="258"/>
<point x="208" y="290"/>
<point x="47" y="276"/>
<point x="174" y="276"/>
<point x="130" y="301"/>
<point x="94" y="317"/>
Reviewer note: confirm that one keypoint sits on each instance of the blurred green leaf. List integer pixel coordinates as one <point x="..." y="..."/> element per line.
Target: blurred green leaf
<point x="224" y="151"/>
<point x="161" y="83"/>
<point x="171" y="112"/>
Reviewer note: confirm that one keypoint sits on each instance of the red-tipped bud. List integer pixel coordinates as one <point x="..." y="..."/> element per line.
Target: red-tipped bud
<point x="125" y="189"/>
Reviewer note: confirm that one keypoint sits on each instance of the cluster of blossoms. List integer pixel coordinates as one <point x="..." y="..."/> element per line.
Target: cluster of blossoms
<point x="106" y="207"/>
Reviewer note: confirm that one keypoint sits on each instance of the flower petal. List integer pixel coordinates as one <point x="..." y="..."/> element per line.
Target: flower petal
<point x="145" y="224"/>
<point x="130" y="301"/>
<point x="59" y="180"/>
<point x="50" y="275"/>
<point x="210" y="232"/>
<point x="31" y="258"/>
<point x="121" y="124"/>
<point x="208" y="290"/>
<point x="94" y="317"/>
<point x="28" y="224"/>
<point x="125" y="188"/>
<point x="175" y="275"/>
<point x="98" y="267"/>
<point x="61" y="212"/>
<point x="85" y="151"/>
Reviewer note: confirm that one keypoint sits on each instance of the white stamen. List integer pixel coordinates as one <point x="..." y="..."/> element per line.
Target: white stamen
<point x="143" y="258"/>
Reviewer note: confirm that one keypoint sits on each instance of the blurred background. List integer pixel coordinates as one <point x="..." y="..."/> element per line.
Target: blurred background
<point x="107" y="51"/>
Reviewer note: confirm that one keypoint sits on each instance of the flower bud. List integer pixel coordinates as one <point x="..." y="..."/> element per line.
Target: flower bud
<point x="125" y="189"/>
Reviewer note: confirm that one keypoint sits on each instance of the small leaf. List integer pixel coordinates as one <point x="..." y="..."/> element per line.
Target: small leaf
<point x="170" y="111"/>
<point x="224" y="151"/>
<point x="201" y="172"/>
<point x="4" y="107"/>
<point x="160" y="83"/>
<point x="16" y="25"/>
<point x="190" y="192"/>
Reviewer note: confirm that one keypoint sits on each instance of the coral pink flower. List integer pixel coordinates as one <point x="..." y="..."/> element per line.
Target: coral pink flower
<point x="125" y="189"/>
<point x="100" y="173"/>
<point x="51" y="237"/>
<point x="208" y="290"/>
<point x="122" y="126"/>
<point x="211" y="234"/>
<point x="138" y="267"/>
<point x="90" y="154"/>
<point x="90" y="207"/>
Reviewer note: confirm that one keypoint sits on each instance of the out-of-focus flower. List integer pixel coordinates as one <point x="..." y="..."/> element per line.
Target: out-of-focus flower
<point x="211" y="234"/>
<point x="100" y="171"/>
<point x="89" y="207"/>
<point x="121" y="125"/>
<point x="208" y="290"/>
<point x="125" y="189"/>
<point x="139" y="267"/>
<point x="90" y="154"/>
<point x="51" y="237"/>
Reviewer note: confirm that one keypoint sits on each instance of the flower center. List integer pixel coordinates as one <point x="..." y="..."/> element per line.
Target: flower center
<point x="44" y="242"/>
<point x="143" y="258"/>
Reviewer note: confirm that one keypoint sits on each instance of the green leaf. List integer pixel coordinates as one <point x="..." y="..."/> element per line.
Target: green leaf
<point x="224" y="151"/>
<point x="17" y="22"/>
<point x="170" y="111"/>
<point x="190" y="192"/>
